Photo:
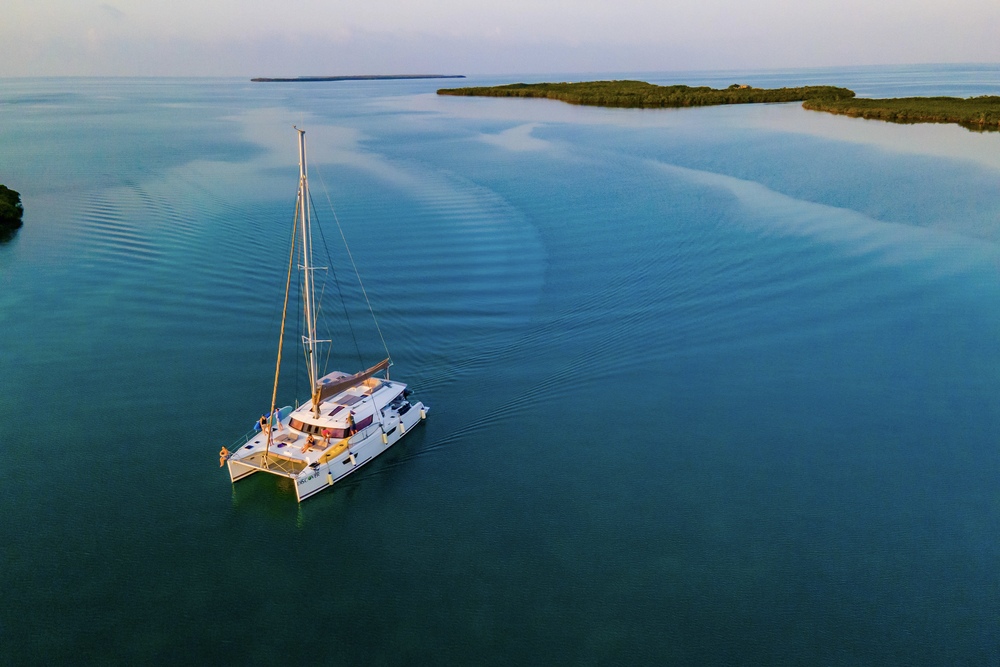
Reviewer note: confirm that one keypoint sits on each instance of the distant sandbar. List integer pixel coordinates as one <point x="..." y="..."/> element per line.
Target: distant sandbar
<point x="360" y="77"/>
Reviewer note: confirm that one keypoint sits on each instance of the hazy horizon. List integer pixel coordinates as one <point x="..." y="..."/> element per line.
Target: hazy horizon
<point x="309" y="37"/>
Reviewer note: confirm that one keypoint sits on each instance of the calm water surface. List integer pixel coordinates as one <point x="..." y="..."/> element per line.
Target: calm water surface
<point x="708" y="386"/>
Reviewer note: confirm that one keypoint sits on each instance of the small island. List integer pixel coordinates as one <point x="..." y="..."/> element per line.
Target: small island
<point x="975" y="113"/>
<point x="10" y="210"/>
<point x="642" y="95"/>
<point x="359" y="77"/>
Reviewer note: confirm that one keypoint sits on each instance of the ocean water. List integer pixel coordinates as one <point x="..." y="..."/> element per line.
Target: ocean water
<point x="708" y="386"/>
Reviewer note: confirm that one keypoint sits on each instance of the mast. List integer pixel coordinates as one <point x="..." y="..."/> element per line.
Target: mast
<point x="308" y="288"/>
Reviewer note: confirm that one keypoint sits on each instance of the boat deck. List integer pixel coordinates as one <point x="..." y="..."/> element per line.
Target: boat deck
<point x="288" y="446"/>
<point x="288" y="454"/>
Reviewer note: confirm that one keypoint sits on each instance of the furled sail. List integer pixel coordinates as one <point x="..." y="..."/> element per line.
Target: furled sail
<point x="324" y="391"/>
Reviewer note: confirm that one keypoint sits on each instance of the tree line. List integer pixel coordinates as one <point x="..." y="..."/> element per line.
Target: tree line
<point x="639" y="94"/>
<point x="10" y="208"/>
<point x="975" y="113"/>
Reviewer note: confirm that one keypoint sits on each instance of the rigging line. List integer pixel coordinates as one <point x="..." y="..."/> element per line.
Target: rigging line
<point x="273" y="319"/>
<point x="300" y="307"/>
<point x="340" y="292"/>
<point x="336" y="281"/>
<point x="320" y="311"/>
<point x="299" y="321"/>
<point x="355" y="266"/>
<point x="281" y="336"/>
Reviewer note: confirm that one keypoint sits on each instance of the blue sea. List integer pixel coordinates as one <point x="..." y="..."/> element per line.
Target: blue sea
<point x="707" y="386"/>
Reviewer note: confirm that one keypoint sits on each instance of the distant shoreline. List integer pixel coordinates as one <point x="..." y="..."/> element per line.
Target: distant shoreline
<point x="643" y="95"/>
<point x="359" y="77"/>
<point x="978" y="114"/>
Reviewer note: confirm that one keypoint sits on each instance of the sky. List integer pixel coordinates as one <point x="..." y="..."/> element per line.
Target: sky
<point x="333" y="37"/>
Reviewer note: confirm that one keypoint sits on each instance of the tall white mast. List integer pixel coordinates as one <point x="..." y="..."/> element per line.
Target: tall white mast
<point x="308" y="290"/>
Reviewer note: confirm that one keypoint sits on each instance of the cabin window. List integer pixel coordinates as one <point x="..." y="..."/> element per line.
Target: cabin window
<point x="335" y="433"/>
<point x="305" y="428"/>
<point x="315" y="429"/>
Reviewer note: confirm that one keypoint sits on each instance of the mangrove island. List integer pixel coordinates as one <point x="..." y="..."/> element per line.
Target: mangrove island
<point x="642" y="95"/>
<point x="975" y="113"/>
<point x="10" y="209"/>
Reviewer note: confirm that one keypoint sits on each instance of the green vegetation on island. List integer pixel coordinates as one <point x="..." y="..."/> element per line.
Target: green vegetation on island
<point x="974" y="113"/>
<point x="642" y="95"/>
<point x="10" y="209"/>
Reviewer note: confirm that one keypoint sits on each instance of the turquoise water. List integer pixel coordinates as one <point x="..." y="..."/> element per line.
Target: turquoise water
<point x="708" y="386"/>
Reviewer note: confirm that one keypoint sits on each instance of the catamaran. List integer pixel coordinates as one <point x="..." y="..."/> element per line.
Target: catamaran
<point x="348" y="420"/>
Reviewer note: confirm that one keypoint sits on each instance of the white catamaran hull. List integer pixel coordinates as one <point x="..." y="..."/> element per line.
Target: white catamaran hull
<point x="311" y="478"/>
<point x="358" y="454"/>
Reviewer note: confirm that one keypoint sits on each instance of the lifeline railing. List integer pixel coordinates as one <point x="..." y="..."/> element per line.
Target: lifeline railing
<point x="280" y="466"/>
<point x="252" y="433"/>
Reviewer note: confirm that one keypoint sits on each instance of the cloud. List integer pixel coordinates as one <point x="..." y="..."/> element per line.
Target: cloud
<point x="234" y="38"/>
<point x="112" y="11"/>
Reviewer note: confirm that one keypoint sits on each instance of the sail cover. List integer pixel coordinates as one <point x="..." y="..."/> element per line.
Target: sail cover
<point x="326" y="390"/>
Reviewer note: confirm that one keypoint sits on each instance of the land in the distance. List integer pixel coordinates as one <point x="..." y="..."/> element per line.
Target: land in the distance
<point x="642" y="95"/>
<point x="360" y="77"/>
<point x="974" y="113"/>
